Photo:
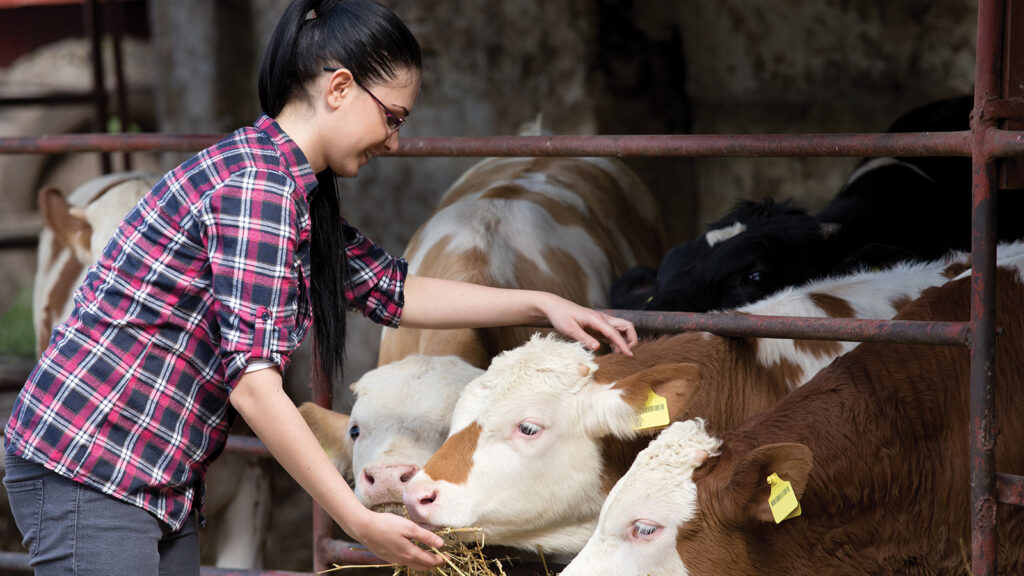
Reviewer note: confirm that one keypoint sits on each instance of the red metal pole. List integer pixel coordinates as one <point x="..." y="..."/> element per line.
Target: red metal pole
<point x="983" y="268"/>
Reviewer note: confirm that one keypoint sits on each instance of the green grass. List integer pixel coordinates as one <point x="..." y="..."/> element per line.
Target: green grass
<point x="16" y="334"/>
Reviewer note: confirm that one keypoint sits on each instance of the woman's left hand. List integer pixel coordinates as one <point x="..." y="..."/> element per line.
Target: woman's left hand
<point x="578" y="322"/>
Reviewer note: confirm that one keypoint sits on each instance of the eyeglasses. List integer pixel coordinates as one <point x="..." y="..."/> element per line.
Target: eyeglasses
<point x="393" y="122"/>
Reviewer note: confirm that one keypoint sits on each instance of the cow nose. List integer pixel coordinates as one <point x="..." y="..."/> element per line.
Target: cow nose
<point x="386" y="483"/>
<point x="419" y="502"/>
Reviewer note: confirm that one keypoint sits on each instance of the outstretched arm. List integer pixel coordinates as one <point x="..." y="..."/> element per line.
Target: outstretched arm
<point x="436" y="303"/>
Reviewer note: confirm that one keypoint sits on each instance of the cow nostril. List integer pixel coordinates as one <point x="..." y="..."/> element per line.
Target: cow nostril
<point x="429" y="498"/>
<point x="404" y="478"/>
<point x="368" y="478"/>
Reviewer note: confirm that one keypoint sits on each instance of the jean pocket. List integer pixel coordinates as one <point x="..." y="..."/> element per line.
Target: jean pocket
<point x="26" y="498"/>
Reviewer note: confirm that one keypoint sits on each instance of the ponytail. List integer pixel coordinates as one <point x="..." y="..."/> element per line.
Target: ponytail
<point x="376" y="46"/>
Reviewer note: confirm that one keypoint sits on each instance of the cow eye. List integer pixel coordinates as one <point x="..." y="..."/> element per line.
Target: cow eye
<point x="529" y="428"/>
<point x="643" y="529"/>
<point x="755" y="277"/>
<point x="353" y="432"/>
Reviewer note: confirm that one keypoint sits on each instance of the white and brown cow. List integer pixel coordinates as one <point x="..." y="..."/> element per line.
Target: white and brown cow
<point x="562" y="225"/>
<point x="76" y="228"/>
<point x="541" y="437"/>
<point x="75" y="231"/>
<point x="876" y="448"/>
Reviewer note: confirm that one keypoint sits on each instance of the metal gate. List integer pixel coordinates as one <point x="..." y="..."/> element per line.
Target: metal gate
<point x="994" y="141"/>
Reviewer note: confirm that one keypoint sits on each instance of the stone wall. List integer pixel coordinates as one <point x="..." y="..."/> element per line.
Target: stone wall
<point x="603" y="67"/>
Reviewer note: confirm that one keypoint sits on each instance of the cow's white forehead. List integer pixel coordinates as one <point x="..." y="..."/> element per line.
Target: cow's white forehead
<point x="663" y="468"/>
<point x="545" y="366"/>
<point x="417" y="386"/>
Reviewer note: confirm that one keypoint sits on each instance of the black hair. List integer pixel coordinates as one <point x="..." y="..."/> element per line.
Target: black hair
<point x="376" y="46"/>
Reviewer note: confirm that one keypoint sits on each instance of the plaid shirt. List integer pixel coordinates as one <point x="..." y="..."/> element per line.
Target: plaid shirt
<point x="206" y="273"/>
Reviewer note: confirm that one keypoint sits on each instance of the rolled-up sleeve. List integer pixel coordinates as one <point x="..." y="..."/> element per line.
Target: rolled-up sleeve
<point x="376" y="279"/>
<point x="253" y="233"/>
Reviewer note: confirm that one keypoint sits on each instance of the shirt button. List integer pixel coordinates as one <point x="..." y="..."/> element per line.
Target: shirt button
<point x="266" y="316"/>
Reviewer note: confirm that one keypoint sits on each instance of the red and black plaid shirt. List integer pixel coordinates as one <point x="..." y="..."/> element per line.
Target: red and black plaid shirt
<point x="209" y="271"/>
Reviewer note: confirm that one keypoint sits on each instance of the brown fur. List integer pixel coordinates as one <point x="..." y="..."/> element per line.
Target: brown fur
<point x="449" y="463"/>
<point x="889" y="492"/>
<point x="734" y="386"/>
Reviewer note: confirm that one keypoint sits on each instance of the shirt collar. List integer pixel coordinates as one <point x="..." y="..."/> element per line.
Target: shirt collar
<point x="295" y="159"/>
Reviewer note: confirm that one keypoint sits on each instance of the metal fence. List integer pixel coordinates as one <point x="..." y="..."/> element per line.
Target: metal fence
<point x="999" y="103"/>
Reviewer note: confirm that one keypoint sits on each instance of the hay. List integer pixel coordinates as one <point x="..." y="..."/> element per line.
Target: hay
<point x="461" y="559"/>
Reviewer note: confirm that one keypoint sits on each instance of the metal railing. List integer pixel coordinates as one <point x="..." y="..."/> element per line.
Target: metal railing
<point x="996" y="100"/>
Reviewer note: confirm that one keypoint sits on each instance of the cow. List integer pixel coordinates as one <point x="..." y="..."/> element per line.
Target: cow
<point x="75" y="231"/>
<point x="875" y="449"/>
<point x="400" y="416"/>
<point x="889" y="210"/>
<point x="563" y="225"/>
<point x="538" y="440"/>
<point x="76" y="228"/>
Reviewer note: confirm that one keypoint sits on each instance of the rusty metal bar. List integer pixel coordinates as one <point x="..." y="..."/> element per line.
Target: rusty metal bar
<point x="1010" y="489"/>
<point x="248" y="445"/>
<point x="212" y="571"/>
<point x="848" y="329"/>
<point x="983" y="270"/>
<point x="1000" y="144"/>
<point x="14" y="563"/>
<point x="48" y="99"/>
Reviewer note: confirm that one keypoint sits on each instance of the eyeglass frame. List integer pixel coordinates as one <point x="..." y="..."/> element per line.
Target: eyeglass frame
<point x="394" y="123"/>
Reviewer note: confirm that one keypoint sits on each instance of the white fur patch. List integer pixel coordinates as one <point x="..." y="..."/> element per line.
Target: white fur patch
<point x="722" y="234"/>
<point x="871" y="294"/>
<point x="657" y="490"/>
<point x="1009" y="256"/>
<point x="876" y="163"/>
<point x="504" y="229"/>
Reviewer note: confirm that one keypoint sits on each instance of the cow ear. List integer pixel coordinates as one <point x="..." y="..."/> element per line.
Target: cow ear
<point x="67" y="222"/>
<point x="331" y="430"/>
<point x="676" y="383"/>
<point x="749" y="484"/>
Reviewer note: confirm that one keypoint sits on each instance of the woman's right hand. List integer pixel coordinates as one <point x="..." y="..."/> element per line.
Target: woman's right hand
<point x="390" y="538"/>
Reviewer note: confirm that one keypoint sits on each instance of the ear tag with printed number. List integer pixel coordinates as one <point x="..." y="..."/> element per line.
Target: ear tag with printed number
<point x="782" y="499"/>
<point x="654" y="413"/>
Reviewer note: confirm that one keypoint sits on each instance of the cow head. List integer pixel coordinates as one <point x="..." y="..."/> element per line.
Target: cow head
<point x="400" y="417"/>
<point x="667" y="517"/>
<point x="754" y="251"/>
<point x="526" y="461"/>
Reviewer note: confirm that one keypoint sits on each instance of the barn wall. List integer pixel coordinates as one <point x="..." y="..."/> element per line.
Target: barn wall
<point x="605" y="67"/>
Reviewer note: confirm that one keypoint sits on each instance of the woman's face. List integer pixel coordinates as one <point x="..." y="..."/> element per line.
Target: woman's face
<point x="359" y="128"/>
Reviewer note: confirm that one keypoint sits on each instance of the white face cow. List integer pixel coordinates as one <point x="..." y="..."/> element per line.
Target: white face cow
<point x="400" y="417"/>
<point x="542" y="427"/>
<point x="636" y="533"/>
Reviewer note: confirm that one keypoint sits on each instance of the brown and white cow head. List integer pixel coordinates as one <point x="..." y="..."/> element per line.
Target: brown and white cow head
<point x="401" y="415"/>
<point x="656" y="520"/>
<point x="525" y="461"/>
<point x="76" y="229"/>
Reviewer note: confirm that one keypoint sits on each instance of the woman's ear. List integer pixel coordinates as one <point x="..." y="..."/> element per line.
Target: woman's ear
<point x="339" y="84"/>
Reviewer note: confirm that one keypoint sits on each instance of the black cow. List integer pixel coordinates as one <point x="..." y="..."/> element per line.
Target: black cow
<point x="889" y="210"/>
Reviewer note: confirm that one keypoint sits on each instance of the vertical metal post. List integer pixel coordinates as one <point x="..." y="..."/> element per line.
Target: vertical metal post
<point x="115" y="23"/>
<point x="983" y="252"/>
<point x="322" y="522"/>
<point x="93" y="29"/>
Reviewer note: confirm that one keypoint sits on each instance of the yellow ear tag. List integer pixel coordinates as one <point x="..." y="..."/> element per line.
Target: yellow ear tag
<point x="782" y="500"/>
<point x="654" y="413"/>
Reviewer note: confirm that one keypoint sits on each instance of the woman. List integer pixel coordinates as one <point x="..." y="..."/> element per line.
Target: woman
<point x="208" y="286"/>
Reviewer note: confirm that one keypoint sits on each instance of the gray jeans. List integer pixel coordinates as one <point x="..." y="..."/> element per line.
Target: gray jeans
<point x="71" y="529"/>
